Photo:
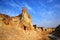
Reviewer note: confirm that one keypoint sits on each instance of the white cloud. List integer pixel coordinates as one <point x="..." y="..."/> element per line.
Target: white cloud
<point x="50" y="0"/>
<point x="49" y="19"/>
<point x="23" y="4"/>
<point x="12" y="4"/>
<point x="45" y="13"/>
<point x="15" y="5"/>
<point x="57" y="6"/>
<point x="49" y="23"/>
<point x="29" y="8"/>
<point x="43" y="5"/>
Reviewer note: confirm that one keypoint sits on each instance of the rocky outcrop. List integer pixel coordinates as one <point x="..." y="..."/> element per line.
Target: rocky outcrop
<point x="20" y="28"/>
<point x="57" y="31"/>
<point x="4" y="18"/>
<point x="26" y="20"/>
<point x="55" y="35"/>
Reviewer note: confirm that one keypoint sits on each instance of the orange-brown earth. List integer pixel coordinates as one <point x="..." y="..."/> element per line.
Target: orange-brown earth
<point x="21" y="28"/>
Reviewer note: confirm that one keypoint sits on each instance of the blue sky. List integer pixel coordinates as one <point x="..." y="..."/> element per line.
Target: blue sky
<point x="43" y="12"/>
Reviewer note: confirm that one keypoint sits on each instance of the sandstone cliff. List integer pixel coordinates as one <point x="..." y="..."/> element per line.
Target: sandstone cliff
<point x="20" y="28"/>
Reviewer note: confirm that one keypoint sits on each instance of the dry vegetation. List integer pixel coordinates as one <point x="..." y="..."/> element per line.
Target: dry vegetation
<point x="20" y="28"/>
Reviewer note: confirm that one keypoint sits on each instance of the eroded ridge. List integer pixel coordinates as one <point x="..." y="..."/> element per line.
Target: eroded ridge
<point x="21" y="28"/>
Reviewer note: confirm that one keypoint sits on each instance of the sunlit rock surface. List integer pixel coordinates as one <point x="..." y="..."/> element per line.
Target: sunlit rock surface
<point x="20" y="28"/>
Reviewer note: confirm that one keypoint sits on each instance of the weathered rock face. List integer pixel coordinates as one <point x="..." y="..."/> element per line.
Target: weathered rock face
<point x="57" y="31"/>
<point x="19" y="28"/>
<point x="4" y="18"/>
<point x="26" y="20"/>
